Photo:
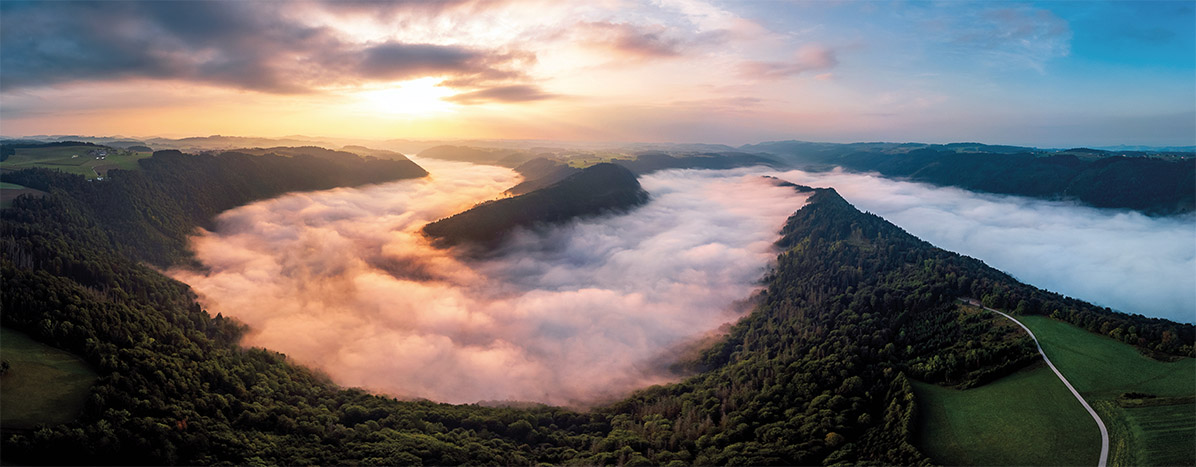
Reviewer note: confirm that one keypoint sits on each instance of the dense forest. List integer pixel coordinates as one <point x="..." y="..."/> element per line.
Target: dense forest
<point x="348" y="154"/>
<point x="540" y="172"/>
<point x="149" y="213"/>
<point x="818" y="373"/>
<point x="1153" y="185"/>
<point x="597" y="189"/>
<point x="490" y="156"/>
<point x="652" y="161"/>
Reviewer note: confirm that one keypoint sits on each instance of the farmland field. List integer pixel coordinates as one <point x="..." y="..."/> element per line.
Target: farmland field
<point x="1167" y="432"/>
<point x="1027" y="418"/>
<point x="1103" y="369"/>
<point x="10" y="191"/>
<point x="44" y="385"/>
<point x="81" y="160"/>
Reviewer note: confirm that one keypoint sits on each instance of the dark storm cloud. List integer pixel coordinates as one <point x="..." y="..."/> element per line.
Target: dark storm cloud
<point x="246" y="45"/>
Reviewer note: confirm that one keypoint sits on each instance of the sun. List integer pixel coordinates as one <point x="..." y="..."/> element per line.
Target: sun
<point x="415" y="97"/>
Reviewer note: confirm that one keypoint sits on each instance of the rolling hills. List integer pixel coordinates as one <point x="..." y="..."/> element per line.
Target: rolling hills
<point x="1156" y="184"/>
<point x="818" y="373"/>
<point x="597" y="189"/>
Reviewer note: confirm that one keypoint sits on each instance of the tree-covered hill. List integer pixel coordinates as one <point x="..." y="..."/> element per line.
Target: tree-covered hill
<point x="597" y="189"/>
<point x="817" y="373"/>
<point x="348" y="154"/>
<point x="1153" y="184"/>
<point x="491" y="156"/>
<point x="653" y="161"/>
<point x="148" y="214"/>
<point x="540" y="172"/>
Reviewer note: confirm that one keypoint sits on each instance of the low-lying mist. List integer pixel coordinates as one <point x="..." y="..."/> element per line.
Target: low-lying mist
<point x="1120" y="259"/>
<point x="341" y="280"/>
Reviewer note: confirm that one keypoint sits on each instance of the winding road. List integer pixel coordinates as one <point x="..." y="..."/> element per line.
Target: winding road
<point x="1104" y="432"/>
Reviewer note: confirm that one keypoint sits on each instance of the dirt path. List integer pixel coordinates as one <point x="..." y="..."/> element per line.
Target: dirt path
<point x="1104" y="432"/>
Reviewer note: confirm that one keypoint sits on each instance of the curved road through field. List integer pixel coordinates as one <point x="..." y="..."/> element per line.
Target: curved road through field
<point x="1104" y="432"/>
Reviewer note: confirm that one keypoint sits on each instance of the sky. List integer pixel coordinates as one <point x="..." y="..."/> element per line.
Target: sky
<point x="1046" y="74"/>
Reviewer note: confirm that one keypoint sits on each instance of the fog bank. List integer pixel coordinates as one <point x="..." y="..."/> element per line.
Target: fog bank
<point x="341" y="280"/>
<point x="1120" y="259"/>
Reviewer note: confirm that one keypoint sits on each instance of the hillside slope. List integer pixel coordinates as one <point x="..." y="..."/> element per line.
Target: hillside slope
<point x="1162" y="185"/>
<point x="594" y="190"/>
<point x="816" y="374"/>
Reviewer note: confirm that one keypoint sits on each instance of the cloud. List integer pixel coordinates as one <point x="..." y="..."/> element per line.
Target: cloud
<point x="1119" y="259"/>
<point x="807" y="59"/>
<point x="513" y="93"/>
<point x="259" y="46"/>
<point x="341" y="280"/>
<point x="999" y="37"/>
<point x="631" y="41"/>
<point x="397" y="61"/>
<point x="395" y="10"/>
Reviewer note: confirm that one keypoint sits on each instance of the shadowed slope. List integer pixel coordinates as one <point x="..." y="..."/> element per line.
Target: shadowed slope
<point x="597" y="189"/>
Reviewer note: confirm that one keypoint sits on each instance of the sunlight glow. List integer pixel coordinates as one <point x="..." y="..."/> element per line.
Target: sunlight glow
<point x="415" y="97"/>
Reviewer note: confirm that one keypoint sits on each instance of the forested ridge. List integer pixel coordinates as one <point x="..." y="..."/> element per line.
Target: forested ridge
<point x="818" y="373"/>
<point x="1153" y="185"/>
<point x="149" y="213"/>
<point x="598" y="189"/>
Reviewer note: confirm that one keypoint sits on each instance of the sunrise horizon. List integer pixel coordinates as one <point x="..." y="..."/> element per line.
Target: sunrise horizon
<point x="669" y="71"/>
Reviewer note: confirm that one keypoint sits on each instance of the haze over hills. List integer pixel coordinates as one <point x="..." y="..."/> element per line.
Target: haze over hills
<point x="1094" y="177"/>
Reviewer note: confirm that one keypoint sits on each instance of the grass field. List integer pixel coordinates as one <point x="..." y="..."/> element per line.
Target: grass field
<point x="1102" y="369"/>
<point x="1156" y="435"/>
<point x="74" y="159"/>
<point x="10" y="191"/>
<point x="582" y="162"/>
<point x="1027" y="418"/>
<point x="1167" y="432"/>
<point x="43" y="385"/>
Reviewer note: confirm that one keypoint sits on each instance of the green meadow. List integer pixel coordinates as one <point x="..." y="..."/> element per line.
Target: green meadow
<point x="1030" y="418"/>
<point x="1159" y="430"/>
<point x="1102" y="368"/>
<point x="1027" y="418"/>
<point x="10" y="191"/>
<point x="43" y="385"/>
<point x="74" y="159"/>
